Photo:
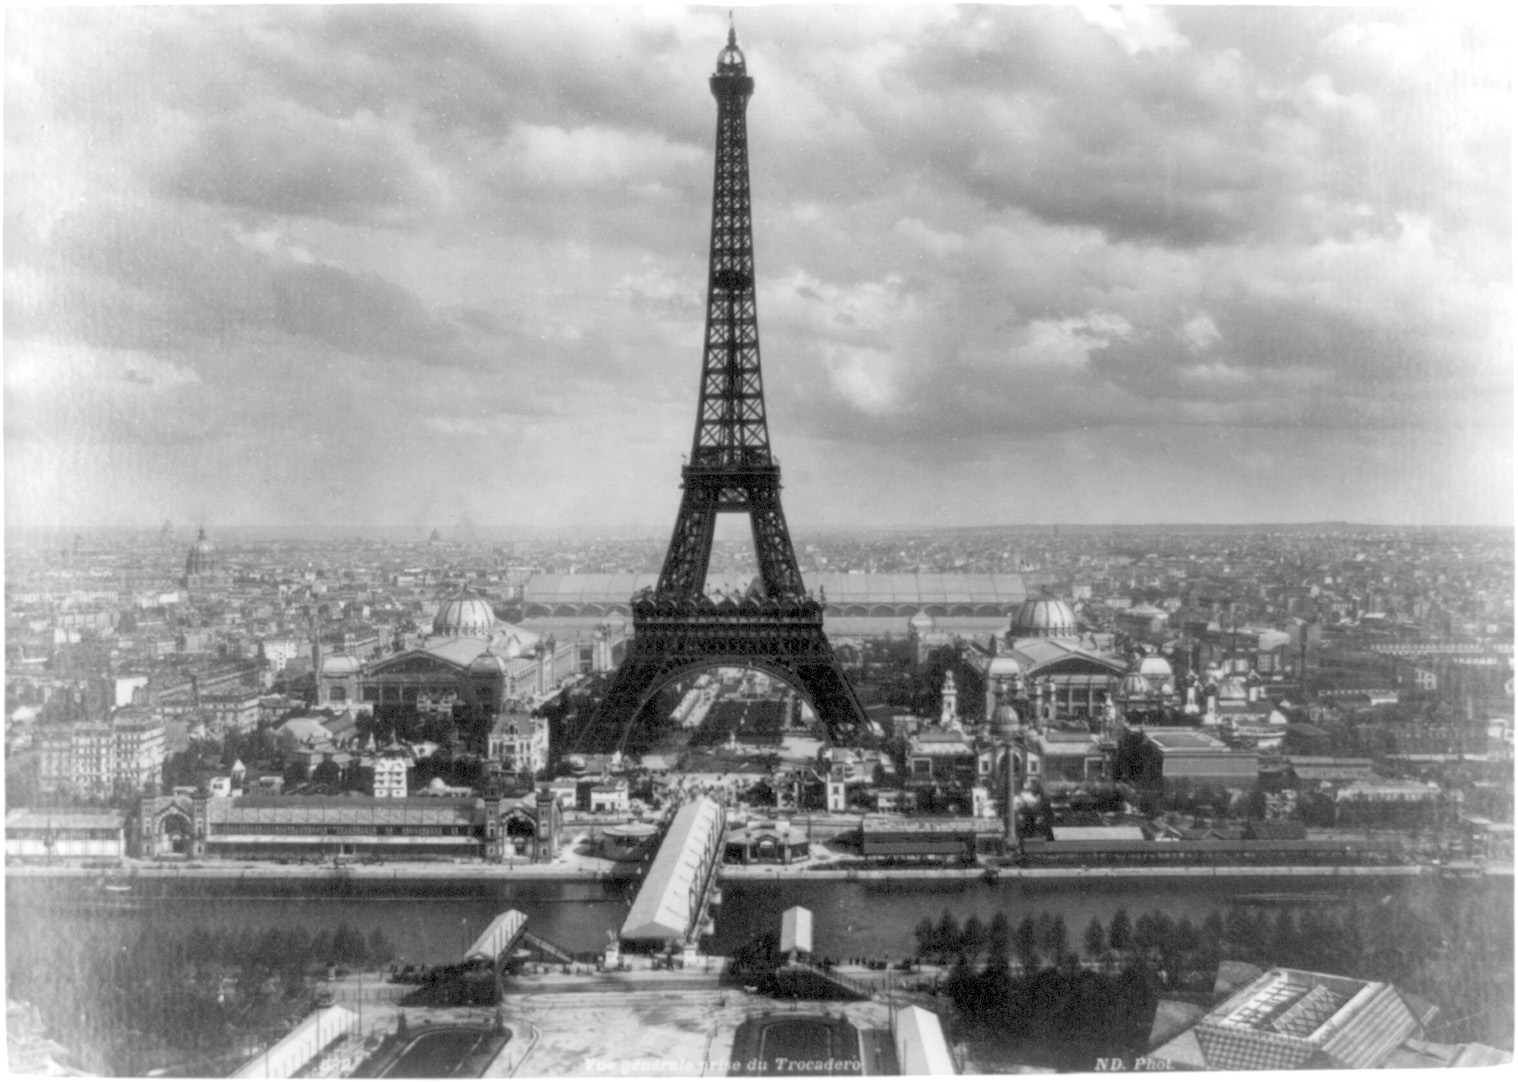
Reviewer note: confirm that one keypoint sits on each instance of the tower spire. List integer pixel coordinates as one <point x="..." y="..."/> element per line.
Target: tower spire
<point x="776" y="626"/>
<point x="731" y="468"/>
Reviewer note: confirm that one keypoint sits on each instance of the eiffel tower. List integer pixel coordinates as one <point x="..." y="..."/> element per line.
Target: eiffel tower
<point x="776" y="627"/>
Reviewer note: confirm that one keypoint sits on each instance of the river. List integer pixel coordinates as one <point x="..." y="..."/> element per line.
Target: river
<point x="857" y="918"/>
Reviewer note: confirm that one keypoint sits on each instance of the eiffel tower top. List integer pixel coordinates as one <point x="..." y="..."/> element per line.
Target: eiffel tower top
<point x="730" y="59"/>
<point x="731" y="428"/>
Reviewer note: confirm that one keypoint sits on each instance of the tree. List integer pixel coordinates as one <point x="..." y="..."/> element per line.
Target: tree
<point x="948" y="933"/>
<point x="1056" y="939"/>
<point x="927" y="936"/>
<point x="1025" y="942"/>
<point x="973" y="939"/>
<point x="1251" y="805"/>
<point x="380" y="950"/>
<point x="1285" y="939"/>
<point x="1120" y="933"/>
<point x="327" y="772"/>
<point x="999" y="938"/>
<point x="960" y="986"/>
<point x="1094" y="940"/>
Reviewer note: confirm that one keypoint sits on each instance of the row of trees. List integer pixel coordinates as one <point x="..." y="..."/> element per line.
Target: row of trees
<point x="1045" y="939"/>
<point x="1453" y="947"/>
<point x="162" y="994"/>
<point x="1063" y="1017"/>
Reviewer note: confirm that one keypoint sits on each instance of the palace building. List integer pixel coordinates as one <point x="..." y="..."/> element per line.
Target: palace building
<point x="470" y="657"/>
<point x="333" y="828"/>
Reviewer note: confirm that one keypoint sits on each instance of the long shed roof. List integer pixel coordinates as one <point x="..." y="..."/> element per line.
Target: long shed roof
<point x="663" y="908"/>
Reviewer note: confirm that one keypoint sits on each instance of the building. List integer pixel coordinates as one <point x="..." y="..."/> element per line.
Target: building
<point x="50" y="834"/>
<point x="610" y="797"/>
<point x="233" y="711"/>
<point x="935" y="839"/>
<point x="518" y="741"/>
<point x="141" y="747"/>
<point x="300" y="1050"/>
<point x="470" y="658"/>
<point x="262" y="827"/>
<point x="669" y="906"/>
<point x="279" y="652"/>
<point x="844" y="596"/>
<point x="1044" y="659"/>
<point x="941" y="755"/>
<point x="98" y="758"/>
<point x="1371" y="802"/>
<point x="777" y="842"/>
<point x="1203" y="759"/>
<point x="1064" y="755"/>
<point x="1292" y="1019"/>
<point x="203" y="566"/>
<point x="921" y="1048"/>
<point x="390" y="778"/>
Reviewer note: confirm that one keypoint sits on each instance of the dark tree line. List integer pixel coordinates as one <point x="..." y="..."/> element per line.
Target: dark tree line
<point x="166" y="995"/>
<point x="1454" y="948"/>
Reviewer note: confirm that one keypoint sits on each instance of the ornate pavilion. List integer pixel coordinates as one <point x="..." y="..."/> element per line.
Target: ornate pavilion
<point x="470" y="657"/>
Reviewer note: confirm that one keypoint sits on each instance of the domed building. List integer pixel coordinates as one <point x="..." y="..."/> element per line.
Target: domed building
<point x="464" y="615"/>
<point x="470" y="657"/>
<point x="1053" y="672"/>
<point x="1043" y="618"/>
<point x="203" y="565"/>
<point x="1005" y="723"/>
<point x="1157" y="671"/>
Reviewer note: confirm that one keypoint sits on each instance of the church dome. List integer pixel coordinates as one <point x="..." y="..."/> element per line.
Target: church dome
<point x="464" y="615"/>
<point x="1043" y="618"/>
<point x="203" y="558"/>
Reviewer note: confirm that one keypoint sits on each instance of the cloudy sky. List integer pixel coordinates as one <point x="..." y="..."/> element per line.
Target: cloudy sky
<point x="408" y="267"/>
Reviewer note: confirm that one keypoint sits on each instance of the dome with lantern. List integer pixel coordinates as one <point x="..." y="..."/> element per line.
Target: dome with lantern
<point x="1005" y="721"/>
<point x="464" y="615"/>
<point x="203" y="558"/>
<point x="1043" y="618"/>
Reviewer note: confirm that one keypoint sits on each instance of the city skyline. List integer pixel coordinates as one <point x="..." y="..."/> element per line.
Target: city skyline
<point x="436" y="267"/>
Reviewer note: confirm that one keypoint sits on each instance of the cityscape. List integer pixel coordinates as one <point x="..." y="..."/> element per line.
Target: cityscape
<point x="1129" y="687"/>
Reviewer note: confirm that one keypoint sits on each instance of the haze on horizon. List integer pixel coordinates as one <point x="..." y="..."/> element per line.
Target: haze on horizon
<point x="397" y="268"/>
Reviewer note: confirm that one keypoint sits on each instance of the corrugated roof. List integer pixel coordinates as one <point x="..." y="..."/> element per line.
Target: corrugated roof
<point x="920" y="1045"/>
<point x="23" y="819"/>
<point x="939" y="588"/>
<point x="338" y="811"/>
<point x="663" y="908"/>
<point x="501" y="933"/>
<point x="1292" y="1018"/>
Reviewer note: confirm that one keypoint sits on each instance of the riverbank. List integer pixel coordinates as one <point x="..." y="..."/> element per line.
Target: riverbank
<point x="770" y="873"/>
<point x="127" y="872"/>
<point x="496" y="874"/>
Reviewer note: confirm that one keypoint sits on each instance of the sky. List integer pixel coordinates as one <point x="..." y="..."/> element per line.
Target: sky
<point x="418" y="267"/>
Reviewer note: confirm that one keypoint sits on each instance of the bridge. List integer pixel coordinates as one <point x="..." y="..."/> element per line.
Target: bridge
<point x="671" y="906"/>
<point x="499" y="938"/>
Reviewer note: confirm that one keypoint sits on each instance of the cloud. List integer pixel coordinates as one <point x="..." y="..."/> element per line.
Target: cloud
<point x="410" y="239"/>
<point x="282" y="159"/>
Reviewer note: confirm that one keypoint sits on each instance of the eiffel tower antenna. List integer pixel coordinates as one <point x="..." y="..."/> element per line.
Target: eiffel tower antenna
<point x="677" y="629"/>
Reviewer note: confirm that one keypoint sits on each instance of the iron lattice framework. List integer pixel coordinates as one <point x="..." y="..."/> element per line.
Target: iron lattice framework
<point x="776" y="627"/>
